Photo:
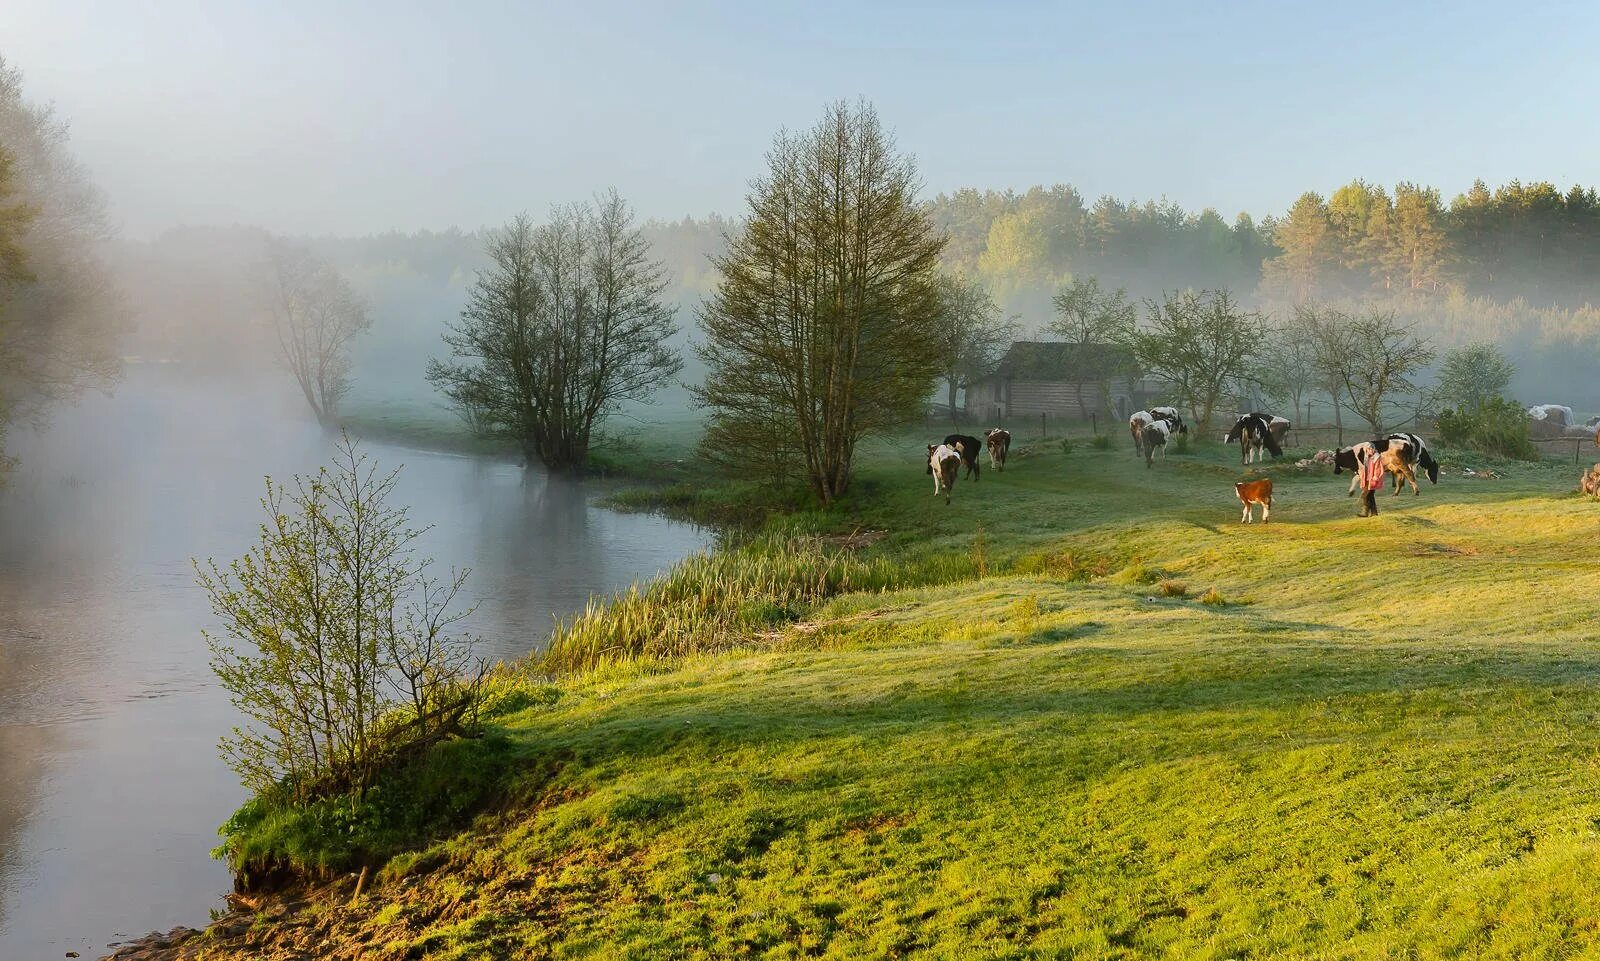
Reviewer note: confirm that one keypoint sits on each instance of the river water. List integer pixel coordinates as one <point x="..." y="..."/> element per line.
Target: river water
<point x="110" y="784"/>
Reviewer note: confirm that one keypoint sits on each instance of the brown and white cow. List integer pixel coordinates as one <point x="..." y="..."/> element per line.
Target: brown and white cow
<point x="1136" y="422"/>
<point x="944" y="463"/>
<point x="1252" y="493"/>
<point x="998" y="441"/>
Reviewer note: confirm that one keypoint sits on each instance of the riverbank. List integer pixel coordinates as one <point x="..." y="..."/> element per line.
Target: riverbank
<point x="1104" y="719"/>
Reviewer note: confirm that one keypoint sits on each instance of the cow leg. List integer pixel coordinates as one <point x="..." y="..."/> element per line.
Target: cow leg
<point x="1266" y="510"/>
<point x="1353" y="481"/>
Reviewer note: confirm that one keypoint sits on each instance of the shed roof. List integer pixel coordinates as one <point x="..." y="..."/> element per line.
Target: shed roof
<point x="1057" y="360"/>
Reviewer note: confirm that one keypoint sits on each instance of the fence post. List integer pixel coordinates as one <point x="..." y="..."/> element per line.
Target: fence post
<point x="1094" y="424"/>
<point x="1041" y="425"/>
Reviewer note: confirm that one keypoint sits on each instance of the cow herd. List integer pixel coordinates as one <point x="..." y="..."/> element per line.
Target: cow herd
<point x="1397" y="455"/>
<point x="962" y="450"/>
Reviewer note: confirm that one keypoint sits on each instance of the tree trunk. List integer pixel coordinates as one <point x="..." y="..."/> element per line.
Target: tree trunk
<point x="952" y="396"/>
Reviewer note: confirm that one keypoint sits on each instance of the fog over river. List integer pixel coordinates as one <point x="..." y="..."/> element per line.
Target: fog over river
<point x="111" y="789"/>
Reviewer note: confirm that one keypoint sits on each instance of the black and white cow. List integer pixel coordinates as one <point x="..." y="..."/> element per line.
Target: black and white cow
<point x="970" y="449"/>
<point x="1352" y="459"/>
<point x="1172" y="417"/>
<point x="1254" y="434"/>
<point x="1153" y="435"/>
<point x="944" y="463"/>
<point x="998" y="440"/>
<point x="1409" y="453"/>
<point x="1277" y="426"/>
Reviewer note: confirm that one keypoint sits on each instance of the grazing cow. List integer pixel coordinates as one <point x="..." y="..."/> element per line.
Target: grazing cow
<point x="970" y="449"/>
<point x="998" y="440"/>
<point x="944" y="463"/>
<point x="1352" y="459"/>
<point x="1409" y="452"/>
<point x="1277" y="426"/>
<point x="1255" y="492"/>
<point x="1171" y="416"/>
<point x="1153" y="435"/>
<point x="1254" y="433"/>
<point x="1136" y="422"/>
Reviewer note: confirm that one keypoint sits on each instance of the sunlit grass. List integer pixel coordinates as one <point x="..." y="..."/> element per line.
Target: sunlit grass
<point x="1381" y="743"/>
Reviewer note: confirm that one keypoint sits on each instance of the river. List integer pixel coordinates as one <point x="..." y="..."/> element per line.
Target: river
<point x="111" y="789"/>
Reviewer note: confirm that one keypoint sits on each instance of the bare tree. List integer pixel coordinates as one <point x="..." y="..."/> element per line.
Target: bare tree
<point x="1094" y="319"/>
<point x="1290" y="364"/>
<point x="1201" y="345"/>
<point x="1366" y="360"/>
<point x="819" y="331"/>
<point x="316" y="316"/>
<point x="566" y="326"/>
<point x="976" y="334"/>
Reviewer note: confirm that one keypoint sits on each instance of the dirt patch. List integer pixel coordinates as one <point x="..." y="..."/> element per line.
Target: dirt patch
<point x="855" y="540"/>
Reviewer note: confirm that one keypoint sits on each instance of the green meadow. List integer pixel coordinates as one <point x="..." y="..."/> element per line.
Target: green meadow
<point x="1080" y="712"/>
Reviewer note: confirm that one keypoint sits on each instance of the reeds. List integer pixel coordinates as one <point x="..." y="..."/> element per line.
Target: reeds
<point x="715" y="601"/>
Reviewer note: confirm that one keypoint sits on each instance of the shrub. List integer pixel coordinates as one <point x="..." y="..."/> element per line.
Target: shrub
<point x="345" y="658"/>
<point x="1066" y="445"/>
<point x="1497" y="427"/>
<point x="1101" y="442"/>
<point x="1181" y="445"/>
<point x="1173" y="589"/>
<point x="1213" y="598"/>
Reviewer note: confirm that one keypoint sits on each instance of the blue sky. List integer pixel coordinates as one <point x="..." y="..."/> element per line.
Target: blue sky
<point x="356" y="117"/>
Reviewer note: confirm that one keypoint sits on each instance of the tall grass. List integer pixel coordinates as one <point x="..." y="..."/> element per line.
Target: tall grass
<point x="712" y="602"/>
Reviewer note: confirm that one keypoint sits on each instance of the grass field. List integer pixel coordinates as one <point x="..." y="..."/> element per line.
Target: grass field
<point x="1112" y="722"/>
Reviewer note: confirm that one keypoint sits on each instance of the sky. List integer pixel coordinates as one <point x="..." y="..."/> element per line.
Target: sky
<point x="359" y="117"/>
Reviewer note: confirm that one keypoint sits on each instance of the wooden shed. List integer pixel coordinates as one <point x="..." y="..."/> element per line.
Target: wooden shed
<point x="1058" y="379"/>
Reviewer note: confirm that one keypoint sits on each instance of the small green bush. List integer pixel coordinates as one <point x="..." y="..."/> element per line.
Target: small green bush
<point x="1498" y="428"/>
<point x="1101" y="442"/>
<point x="1066" y="445"/>
<point x="1181" y="445"/>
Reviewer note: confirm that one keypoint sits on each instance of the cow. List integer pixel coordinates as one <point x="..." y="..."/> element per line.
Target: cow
<point x="1277" y="426"/>
<point x="1136" y="422"/>
<point x="1255" y="492"/>
<point x="1404" y="453"/>
<point x="1352" y="459"/>
<point x="970" y="449"/>
<point x="944" y="463"/>
<point x="998" y="440"/>
<point x="1153" y="435"/>
<point x="1254" y="433"/>
<point x="1172" y="417"/>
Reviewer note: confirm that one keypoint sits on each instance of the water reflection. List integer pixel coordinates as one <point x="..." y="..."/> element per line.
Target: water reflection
<point x="110" y="788"/>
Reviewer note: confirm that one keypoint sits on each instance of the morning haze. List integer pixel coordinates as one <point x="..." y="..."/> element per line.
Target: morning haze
<point x="717" y="480"/>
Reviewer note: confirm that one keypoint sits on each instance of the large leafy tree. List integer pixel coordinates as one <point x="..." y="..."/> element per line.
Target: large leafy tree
<point x="566" y="326"/>
<point x="820" y="331"/>
<point x="62" y="312"/>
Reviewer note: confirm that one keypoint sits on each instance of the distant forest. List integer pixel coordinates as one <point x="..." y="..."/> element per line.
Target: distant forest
<point x="1518" y="265"/>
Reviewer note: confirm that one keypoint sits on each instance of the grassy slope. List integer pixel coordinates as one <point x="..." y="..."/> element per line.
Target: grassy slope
<point x="1383" y="745"/>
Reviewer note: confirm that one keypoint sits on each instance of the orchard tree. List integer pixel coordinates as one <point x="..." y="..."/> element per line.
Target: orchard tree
<point x="1093" y="318"/>
<point x="1366" y="360"/>
<point x="975" y="331"/>
<point x="565" y="326"/>
<point x="1201" y="345"/>
<point x="820" y="329"/>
